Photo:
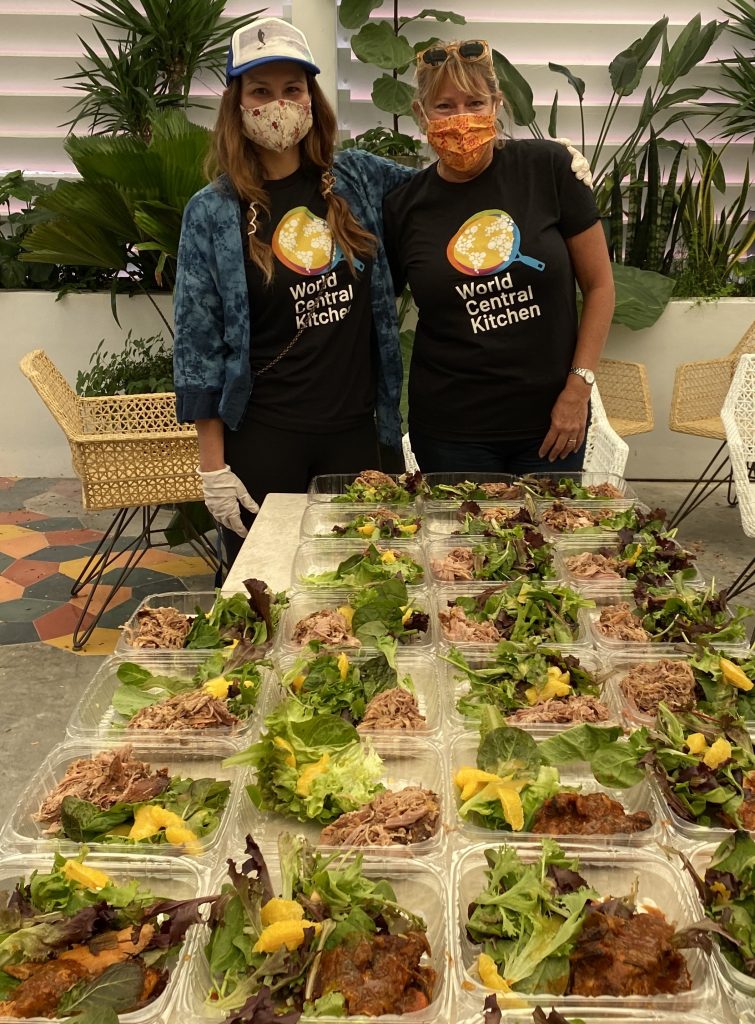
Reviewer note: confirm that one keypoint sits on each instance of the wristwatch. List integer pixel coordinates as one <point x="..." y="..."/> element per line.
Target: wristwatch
<point x="587" y="375"/>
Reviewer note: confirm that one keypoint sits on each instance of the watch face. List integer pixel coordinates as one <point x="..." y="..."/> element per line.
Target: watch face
<point x="589" y="376"/>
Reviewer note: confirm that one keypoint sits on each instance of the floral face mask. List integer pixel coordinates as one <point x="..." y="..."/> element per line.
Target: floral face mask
<point x="460" y="139"/>
<point x="277" y="125"/>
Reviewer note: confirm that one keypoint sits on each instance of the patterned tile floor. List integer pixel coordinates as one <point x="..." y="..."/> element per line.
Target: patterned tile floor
<point x="45" y="539"/>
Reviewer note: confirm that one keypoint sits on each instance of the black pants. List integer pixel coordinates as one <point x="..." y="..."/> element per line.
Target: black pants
<point x="269" y="460"/>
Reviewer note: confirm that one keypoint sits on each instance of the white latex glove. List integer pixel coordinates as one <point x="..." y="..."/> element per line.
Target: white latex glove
<point x="580" y="165"/>
<point x="223" y="493"/>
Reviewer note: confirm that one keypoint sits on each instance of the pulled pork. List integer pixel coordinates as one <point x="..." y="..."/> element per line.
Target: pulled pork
<point x="195" y="709"/>
<point x="392" y="709"/>
<point x="456" y="626"/>
<point x="374" y="478"/>
<point x="110" y="777"/>
<point x="562" y="519"/>
<point x="382" y="974"/>
<point x="592" y="565"/>
<point x="562" y="711"/>
<point x="605" y="490"/>
<point x="327" y="626"/>
<point x="672" y="682"/>
<point x="501" y="490"/>
<point x="158" y="627"/>
<point x="408" y="816"/>
<point x="617" y="622"/>
<point x="458" y="564"/>
<point x="589" y="814"/>
<point x="620" y="952"/>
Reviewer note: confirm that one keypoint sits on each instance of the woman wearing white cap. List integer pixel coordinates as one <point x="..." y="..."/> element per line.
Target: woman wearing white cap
<point x="286" y="347"/>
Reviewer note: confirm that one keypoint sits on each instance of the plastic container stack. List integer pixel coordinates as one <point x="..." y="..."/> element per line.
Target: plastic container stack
<point x="441" y="876"/>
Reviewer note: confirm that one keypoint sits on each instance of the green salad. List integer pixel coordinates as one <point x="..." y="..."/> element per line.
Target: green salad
<point x="253" y="617"/>
<point x="76" y="943"/>
<point x="382" y="524"/>
<point x="724" y="684"/>
<point x="222" y="692"/>
<point x="372" y="486"/>
<point x="490" y="522"/>
<point x="569" y="488"/>
<point x="568" y="519"/>
<point x="521" y="551"/>
<point x="519" y="675"/>
<point x="469" y="490"/>
<point x="372" y="565"/>
<point x="374" y="616"/>
<point x="680" y="615"/>
<point x="316" y="946"/>
<point x="310" y="766"/>
<point x="521" y="611"/>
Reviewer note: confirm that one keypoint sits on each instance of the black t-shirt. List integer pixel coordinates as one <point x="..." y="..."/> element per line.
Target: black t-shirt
<point x="490" y="273"/>
<point x="327" y="381"/>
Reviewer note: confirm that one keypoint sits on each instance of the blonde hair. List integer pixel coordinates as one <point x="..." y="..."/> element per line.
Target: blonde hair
<point x="234" y="155"/>
<point x="477" y="78"/>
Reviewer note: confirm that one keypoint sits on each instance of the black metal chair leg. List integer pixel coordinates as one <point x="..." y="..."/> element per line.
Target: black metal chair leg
<point x="97" y="563"/>
<point x="706" y="484"/>
<point x="744" y="581"/>
<point x="94" y="574"/>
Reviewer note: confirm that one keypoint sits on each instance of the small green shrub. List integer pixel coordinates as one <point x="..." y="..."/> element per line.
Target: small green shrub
<point x="143" y="366"/>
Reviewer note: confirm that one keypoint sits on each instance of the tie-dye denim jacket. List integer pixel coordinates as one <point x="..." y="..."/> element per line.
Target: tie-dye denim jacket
<point x="213" y="333"/>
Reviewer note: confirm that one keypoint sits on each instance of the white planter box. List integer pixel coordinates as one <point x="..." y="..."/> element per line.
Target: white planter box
<point x="687" y="331"/>
<point x="69" y="331"/>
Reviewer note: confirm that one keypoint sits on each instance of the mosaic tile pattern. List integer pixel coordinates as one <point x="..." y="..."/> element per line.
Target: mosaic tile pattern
<point x="46" y="538"/>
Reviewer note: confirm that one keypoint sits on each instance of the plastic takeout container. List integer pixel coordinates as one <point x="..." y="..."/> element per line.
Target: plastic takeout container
<point x="439" y="549"/>
<point x="621" y="667"/>
<point x="432" y="480"/>
<point x="317" y="556"/>
<point x="606" y="536"/>
<point x="330" y="486"/>
<point x="303" y="604"/>
<point x="419" y="666"/>
<point x="94" y="717"/>
<point x="612" y="872"/>
<point x="463" y="753"/>
<point x="185" y="602"/>
<point x="319" y="520"/>
<point x="457" y="686"/>
<point x="628" y="648"/>
<point x="442" y="521"/>
<point x="22" y="832"/>
<point x="405" y="764"/>
<point x="443" y="596"/>
<point x="174" y="880"/>
<point x="420" y="887"/>
<point x="585" y="479"/>
<point x="603" y="590"/>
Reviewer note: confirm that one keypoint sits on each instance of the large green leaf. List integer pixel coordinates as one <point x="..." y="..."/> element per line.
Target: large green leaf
<point x="392" y="95"/>
<point x="121" y="160"/>
<point x="515" y="89"/>
<point x="160" y="222"/>
<point x="432" y="12"/>
<point x="691" y="45"/>
<point x="641" y="296"/>
<point x="70" y="242"/>
<point x="354" y="13"/>
<point x="101" y="205"/>
<point x="626" y="68"/>
<point x="577" y="83"/>
<point x="375" y="43"/>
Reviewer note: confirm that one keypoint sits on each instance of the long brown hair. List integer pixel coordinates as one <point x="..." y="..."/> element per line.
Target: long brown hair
<point x="234" y="155"/>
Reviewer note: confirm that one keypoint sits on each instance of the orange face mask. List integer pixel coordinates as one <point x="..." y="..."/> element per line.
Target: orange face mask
<point x="459" y="140"/>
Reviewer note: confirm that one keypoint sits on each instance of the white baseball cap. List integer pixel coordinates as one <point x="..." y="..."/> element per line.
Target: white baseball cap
<point x="266" y="40"/>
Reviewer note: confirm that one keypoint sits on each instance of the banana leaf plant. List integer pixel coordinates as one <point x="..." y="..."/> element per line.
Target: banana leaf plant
<point x="125" y="212"/>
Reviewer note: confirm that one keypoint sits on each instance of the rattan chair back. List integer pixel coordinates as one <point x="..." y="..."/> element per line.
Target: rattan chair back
<point x="625" y="392"/>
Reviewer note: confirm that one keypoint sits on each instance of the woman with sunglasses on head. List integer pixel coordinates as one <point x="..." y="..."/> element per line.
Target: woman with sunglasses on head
<point x="490" y="239"/>
<point x="286" y="349"/>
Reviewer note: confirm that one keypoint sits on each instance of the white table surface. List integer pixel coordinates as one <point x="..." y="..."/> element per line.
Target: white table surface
<point x="268" y="550"/>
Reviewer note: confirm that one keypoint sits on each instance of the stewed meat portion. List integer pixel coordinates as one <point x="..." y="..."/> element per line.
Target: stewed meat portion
<point x="158" y="627"/>
<point x="593" y="565"/>
<point x="328" y="626"/>
<point x="400" y="818"/>
<point x="456" y="626"/>
<point x="617" y="622"/>
<point x="193" y="709"/>
<point x="672" y="682"/>
<point x="563" y="711"/>
<point x="394" y="709"/>
<point x="587" y="814"/>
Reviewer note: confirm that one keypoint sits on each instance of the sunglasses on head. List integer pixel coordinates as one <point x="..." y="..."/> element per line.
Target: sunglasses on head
<point x="471" y="50"/>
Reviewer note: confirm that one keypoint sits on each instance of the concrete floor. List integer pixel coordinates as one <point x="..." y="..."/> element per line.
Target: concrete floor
<point x="40" y="685"/>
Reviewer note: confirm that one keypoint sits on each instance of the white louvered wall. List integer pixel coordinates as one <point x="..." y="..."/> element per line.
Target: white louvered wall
<point x="38" y="44"/>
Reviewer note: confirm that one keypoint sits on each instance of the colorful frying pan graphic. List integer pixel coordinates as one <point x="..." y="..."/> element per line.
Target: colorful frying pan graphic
<point x="303" y="242"/>
<point x="486" y="243"/>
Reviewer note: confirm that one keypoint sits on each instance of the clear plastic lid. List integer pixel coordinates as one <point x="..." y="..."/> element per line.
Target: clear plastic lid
<point x="629" y="648"/>
<point x="318" y="556"/>
<point x="450" y="491"/>
<point x="533" y="483"/>
<point x="320" y="520"/>
<point x="303" y="604"/>
<point x="405" y="763"/>
<point x="442" y="519"/>
<point x="185" y="602"/>
<point x="419" y="886"/>
<point x="621" y="667"/>
<point x="169" y="879"/>
<point x="603" y="590"/>
<point x="687" y="831"/>
<point x="575" y="507"/>
<point x="95" y="719"/>
<point x="331" y="487"/>
<point x="446" y="596"/>
<point x="639" y="798"/>
<point x="612" y="872"/>
<point x="22" y="832"/>
<point x="420" y="667"/>
<point x="457" y="686"/>
<point x="439" y="549"/>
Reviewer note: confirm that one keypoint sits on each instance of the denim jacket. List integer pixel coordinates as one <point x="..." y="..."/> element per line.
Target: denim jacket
<point x="213" y="333"/>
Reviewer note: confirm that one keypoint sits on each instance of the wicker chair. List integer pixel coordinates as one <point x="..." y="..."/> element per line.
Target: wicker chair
<point x="605" y="451"/>
<point x="699" y="392"/>
<point x="626" y="396"/>
<point x="738" y="416"/>
<point x="130" y="454"/>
